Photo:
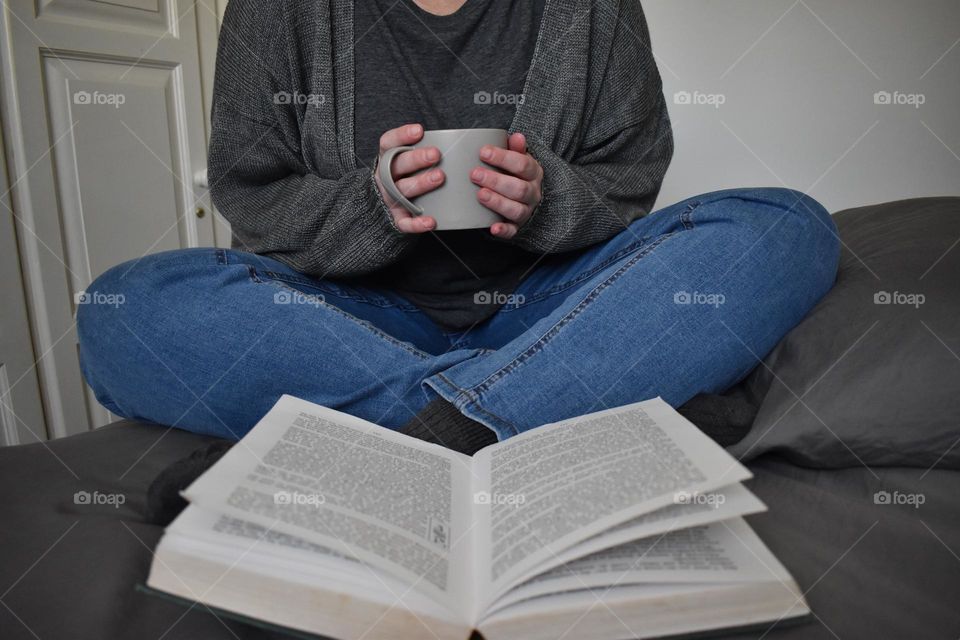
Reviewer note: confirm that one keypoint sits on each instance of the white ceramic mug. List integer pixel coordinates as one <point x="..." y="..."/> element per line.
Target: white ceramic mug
<point x="453" y="204"/>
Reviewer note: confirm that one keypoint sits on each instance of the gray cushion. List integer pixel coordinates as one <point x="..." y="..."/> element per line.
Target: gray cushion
<point x="69" y="566"/>
<point x="872" y="375"/>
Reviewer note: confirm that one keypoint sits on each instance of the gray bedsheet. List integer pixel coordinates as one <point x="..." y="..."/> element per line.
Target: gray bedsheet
<point x="68" y="569"/>
<point x="869" y="569"/>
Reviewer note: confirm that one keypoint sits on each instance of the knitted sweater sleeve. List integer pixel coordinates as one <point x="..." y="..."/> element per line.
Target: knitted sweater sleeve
<point x="262" y="182"/>
<point x="614" y="175"/>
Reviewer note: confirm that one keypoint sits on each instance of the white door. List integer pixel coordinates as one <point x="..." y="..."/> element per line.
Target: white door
<point x="21" y="414"/>
<point x="104" y="120"/>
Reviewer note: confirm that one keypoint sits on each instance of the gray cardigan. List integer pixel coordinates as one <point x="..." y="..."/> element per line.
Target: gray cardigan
<point x="282" y="164"/>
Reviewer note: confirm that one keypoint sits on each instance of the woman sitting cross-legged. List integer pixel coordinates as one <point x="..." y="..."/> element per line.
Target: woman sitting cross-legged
<point x="578" y="299"/>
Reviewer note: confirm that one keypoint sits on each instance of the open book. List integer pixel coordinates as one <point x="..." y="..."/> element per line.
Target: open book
<point x="619" y="524"/>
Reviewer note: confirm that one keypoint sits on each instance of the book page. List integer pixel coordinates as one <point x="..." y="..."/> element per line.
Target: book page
<point x="195" y="523"/>
<point x="342" y="483"/>
<point x="688" y="510"/>
<point x="559" y="484"/>
<point x="721" y="552"/>
<point x="254" y="549"/>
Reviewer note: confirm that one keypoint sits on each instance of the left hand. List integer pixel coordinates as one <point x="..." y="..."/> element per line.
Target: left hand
<point x="513" y="194"/>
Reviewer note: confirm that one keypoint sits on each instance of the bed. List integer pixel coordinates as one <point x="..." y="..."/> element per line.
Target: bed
<point x="854" y="450"/>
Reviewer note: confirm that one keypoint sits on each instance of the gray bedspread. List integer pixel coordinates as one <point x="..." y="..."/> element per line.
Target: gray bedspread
<point x="68" y="567"/>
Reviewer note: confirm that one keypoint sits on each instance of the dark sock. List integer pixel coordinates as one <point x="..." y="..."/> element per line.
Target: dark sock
<point x="164" y="502"/>
<point x="442" y="423"/>
<point x="725" y="418"/>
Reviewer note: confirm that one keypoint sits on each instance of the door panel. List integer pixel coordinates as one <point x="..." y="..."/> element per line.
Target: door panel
<point x="124" y="137"/>
<point x="152" y="16"/>
<point x="104" y="113"/>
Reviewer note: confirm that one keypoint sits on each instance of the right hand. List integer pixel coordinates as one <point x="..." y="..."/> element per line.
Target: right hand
<point x="411" y="186"/>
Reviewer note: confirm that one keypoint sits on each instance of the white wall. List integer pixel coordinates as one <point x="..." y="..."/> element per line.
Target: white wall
<point x="799" y="78"/>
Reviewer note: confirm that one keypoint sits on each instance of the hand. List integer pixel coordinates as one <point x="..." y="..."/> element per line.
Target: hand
<point x="404" y="166"/>
<point x="514" y="195"/>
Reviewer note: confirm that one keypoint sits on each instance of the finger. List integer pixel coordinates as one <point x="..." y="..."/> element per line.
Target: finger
<point x="412" y="161"/>
<point x="415" y="224"/>
<point x="505" y="230"/>
<point x="421" y="183"/>
<point x="405" y="135"/>
<point x="510" y="209"/>
<point x="517" y="142"/>
<point x="506" y="185"/>
<point x="521" y="165"/>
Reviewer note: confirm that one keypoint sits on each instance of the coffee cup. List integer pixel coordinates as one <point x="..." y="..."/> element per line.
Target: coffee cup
<point x="453" y="204"/>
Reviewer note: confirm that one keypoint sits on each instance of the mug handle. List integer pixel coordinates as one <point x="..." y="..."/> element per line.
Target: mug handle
<point x="386" y="179"/>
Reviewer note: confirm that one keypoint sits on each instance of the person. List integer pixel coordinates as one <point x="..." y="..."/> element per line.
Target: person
<point x="580" y="299"/>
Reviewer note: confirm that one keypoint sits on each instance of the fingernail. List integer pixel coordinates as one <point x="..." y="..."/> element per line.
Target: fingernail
<point x="432" y="155"/>
<point x="486" y="153"/>
<point x="484" y="196"/>
<point x="413" y="129"/>
<point x="476" y="175"/>
<point x="436" y="176"/>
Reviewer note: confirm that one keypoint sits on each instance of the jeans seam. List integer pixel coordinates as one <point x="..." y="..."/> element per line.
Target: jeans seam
<point x="534" y="348"/>
<point x="380" y="301"/>
<point x="359" y="321"/>
<point x="473" y="399"/>
<point x="585" y="275"/>
<point x="254" y="276"/>
<point x="223" y="258"/>
<point x="686" y="216"/>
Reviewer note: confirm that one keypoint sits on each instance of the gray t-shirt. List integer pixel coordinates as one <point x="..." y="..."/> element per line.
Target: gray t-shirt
<point x="464" y="70"/>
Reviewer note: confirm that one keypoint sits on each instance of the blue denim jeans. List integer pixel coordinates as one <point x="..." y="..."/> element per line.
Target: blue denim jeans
<point x="684" y="301"/>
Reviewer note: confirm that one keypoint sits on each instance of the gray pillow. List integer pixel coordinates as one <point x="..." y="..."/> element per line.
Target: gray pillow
<point x="872" y="375"/>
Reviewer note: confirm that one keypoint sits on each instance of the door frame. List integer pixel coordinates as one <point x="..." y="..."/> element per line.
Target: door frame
<point x="21" y="412"/>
